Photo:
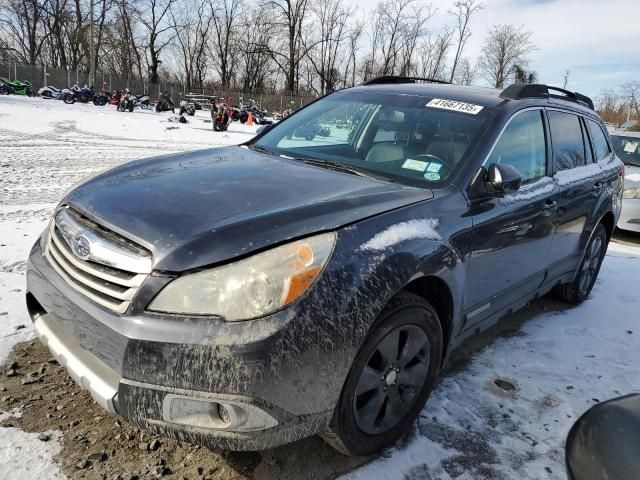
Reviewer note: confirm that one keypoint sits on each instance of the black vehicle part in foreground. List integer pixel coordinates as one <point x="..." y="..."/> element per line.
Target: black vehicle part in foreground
<point x="315" y="279"/>
<point x="604" y="444"/>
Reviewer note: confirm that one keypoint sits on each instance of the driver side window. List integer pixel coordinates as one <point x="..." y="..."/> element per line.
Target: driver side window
<point x="522" y="145"/>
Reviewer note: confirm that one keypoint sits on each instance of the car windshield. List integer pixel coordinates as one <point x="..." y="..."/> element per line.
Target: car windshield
<point x="415" y="140"/>
<point x="627" y="148"/>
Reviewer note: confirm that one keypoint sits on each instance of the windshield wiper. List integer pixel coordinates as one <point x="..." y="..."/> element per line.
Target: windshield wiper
<point x="331" y="166"/>
<point x="261" y="149"/>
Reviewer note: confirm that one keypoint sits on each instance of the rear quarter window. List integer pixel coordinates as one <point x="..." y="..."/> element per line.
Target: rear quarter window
<point x="599" y="142"/>
<point x="567" y="140"/>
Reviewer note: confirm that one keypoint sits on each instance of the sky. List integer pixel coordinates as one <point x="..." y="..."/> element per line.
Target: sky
<point x="598" y="41"/>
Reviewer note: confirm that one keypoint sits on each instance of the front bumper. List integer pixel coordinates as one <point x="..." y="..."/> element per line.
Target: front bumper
<point x="289" y="366"/>
<point x="87" y="371"/>
<point x="630" y="215"/>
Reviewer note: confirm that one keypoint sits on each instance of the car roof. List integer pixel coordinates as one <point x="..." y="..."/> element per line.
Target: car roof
<point x="486" y="97"/>
<point x="483" y="96"/>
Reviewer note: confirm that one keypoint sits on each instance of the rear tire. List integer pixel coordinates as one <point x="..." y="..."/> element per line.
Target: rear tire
<point x="579" y="289"/>
<point x="390" y="379"/>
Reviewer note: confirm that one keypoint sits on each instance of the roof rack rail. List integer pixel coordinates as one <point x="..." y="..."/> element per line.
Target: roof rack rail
<point x="518" y="91"/>
<point x="399" y="79"/>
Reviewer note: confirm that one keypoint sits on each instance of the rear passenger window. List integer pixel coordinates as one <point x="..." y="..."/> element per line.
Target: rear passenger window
<point x="567" y="140"/>
<point x="601" y="148"/>
<point x="522" y="145"/>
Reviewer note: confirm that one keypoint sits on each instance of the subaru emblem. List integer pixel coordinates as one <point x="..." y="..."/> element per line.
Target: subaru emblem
<point x="81" y="247"/>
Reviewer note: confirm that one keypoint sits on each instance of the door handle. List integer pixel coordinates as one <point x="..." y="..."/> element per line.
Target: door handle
<point x="597" y="188"/>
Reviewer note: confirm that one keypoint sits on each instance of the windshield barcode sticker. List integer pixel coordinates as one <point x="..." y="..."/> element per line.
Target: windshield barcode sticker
<point x="455" y="106"/>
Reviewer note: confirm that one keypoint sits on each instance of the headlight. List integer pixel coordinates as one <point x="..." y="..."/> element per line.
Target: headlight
<point x="249" y="288"/>
<point x="631" y="193"/>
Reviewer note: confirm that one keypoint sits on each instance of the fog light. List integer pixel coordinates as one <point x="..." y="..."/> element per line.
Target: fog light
<point x="215" y="414"/>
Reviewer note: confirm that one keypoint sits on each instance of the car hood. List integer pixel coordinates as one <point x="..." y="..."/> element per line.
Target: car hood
<point x="200" y="208"/>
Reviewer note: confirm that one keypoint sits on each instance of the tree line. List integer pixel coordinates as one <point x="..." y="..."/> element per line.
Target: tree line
<point x="294" y="46"/>
<point x="617" y="106"/>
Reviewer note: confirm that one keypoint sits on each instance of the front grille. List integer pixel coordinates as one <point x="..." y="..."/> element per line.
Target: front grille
<point x="106" y="285"/>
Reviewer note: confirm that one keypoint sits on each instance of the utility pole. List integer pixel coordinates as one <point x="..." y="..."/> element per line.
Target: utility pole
<point x="92" y="67"/>
<point x="566" y="79"/>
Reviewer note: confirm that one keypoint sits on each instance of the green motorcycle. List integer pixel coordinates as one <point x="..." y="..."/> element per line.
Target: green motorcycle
<point x="16" y="87"/>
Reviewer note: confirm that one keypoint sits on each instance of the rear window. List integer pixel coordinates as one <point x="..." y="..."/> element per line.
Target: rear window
<point x="410" y="139"/>
<point x="599" y="142"/>
<point x="567" y="140"/>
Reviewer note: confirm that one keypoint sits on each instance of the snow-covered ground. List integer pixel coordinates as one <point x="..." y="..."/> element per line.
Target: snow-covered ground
<point x="45" y="148"/>
<point x="559" y="363"/>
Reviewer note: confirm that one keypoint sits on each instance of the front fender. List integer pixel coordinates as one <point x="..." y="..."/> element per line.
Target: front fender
<point x="376" y="258"/>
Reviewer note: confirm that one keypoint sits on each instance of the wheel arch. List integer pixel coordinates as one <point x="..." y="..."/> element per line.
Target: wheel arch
<point x="435" y="290"/>
<point x="609" y="222"/>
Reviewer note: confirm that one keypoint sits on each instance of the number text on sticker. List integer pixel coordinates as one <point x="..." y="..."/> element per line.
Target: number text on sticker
<point x="455" y="106"/>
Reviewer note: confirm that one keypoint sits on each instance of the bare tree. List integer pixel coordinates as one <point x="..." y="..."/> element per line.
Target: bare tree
<point x="351" y="67"/>
<point x="154" y="17"/>
<point x="192" y="22"/>
<point x="123" y="51"/>
<point x="629" y="94"/>
<point x="463" y="10"/>
<point x="254" y="59"/>
<point x="466" y="73"/>
<point x="22" y="21"/>
<point x="225" y="22"/>
<point x="288" y="18"/>
<point x="505" y="47"/>
<point x="433" y="55"/>
<point x="522" y="75"/>
<point x="396" y="27"/>
<point x="331" y="18"/>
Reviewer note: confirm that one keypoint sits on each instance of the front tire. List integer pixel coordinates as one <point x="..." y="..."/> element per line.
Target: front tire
<point x="579" y="289"/>
<point x="390" y="379"/>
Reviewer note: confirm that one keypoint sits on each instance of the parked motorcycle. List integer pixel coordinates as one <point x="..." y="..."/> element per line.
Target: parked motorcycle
<point x="127" y="101"/>
<point x="221" y="115"/>
<point x="142" y="101"/>
<point x="49" y="91"/>
<point x="259" y="115"/>
<point x="78" y="94"/>
<point x="115" y="97"/>
<point x="5" y="88"/>
<point x="102" y="97"/>
<point x="17" y="87"/>
<point x="187" y="108"/>
<point x="164" y="103"/>
<point x="310" y="130"/>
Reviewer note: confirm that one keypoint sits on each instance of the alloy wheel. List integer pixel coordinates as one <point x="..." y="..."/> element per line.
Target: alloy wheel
<point x="590" y="265"/>
<point x="391" y="379"/>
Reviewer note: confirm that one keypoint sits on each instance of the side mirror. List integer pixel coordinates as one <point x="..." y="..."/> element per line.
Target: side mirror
<point x="494" y="181"/>
<point x="264" y="128"/>
<point x="503" y="178"/>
